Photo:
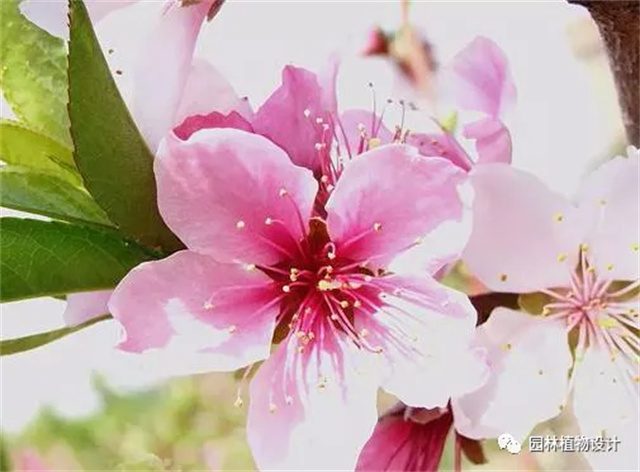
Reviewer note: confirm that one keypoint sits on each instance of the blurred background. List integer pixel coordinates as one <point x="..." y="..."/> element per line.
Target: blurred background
<point x="78" y="404"/>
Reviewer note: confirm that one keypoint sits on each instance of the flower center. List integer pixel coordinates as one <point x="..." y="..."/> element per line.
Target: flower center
<point x="600" y="310"/>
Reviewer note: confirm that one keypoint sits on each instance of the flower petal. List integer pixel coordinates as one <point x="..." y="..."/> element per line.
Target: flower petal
<point x="524" y="238"/>
<point x="399" y="444"/>
<point x="211" y="121"/>
<point x="370" y="219"/>
<point x="441" y="145"/>
<point x="606" y="403"/>
<point x="609" y="199"/>
<point x="207" y="91"/>
<point x="529" y="361"/>
<point x="479" y="78"/>
<point x="423" y="329"/>
<point x="82" y="307"/>
<point x="162" y="68"/>
<point x="288" y="117"/>
<point x="310" y="410"/>
<point x="219" y="191"/>
<point x="493" y="141"/>
<point x="189" y="303"/>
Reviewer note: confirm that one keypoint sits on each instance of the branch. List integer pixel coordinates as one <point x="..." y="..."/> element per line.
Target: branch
<point x="619" y="25"/>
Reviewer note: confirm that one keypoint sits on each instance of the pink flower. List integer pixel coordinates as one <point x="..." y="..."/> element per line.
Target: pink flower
<point x="582" y="260"/>
<point x="260" y="269"/>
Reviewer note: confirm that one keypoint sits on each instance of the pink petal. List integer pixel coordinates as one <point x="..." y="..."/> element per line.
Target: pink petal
<point x="310" y="410"/>
<point x="493" y="141"/>
<point x="609" y="200"/>
<point x="190" y="303"/>
<point x="283" y="117"/>
<point x="424" y="330"/>
<point x="399" y="444"/>
<point x="211" y="121"/>
<point x="207" y="91"/>
<point x="162" y="69"/>
<point x="479" y="78"/>
<point x="219" y="190"/>
<point x="350" y="122"/>
<point x="389" y="197"/>
<point x="441" y="145"/>
<point x="606" y="402"/>
<point x="82" y="307"/>
<point x="524" y="238"/>
<point x="529" y="360"/>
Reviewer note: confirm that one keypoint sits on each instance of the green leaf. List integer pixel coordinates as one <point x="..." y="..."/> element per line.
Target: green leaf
<point x="26" y="147"/>
<point x="33" y="76"/>
<point x="26" y="343"/>
<point x="47" y="195"/>
<point x="5" y="462"/>
<point x="113" y="158"/>
<point x="46" y="258"/>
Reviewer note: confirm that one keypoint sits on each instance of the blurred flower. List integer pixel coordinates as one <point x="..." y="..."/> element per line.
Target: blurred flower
<point x="261" y="268"/>
<point x="583" y="261"/>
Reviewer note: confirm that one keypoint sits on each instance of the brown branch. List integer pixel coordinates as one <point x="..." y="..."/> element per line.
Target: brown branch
<point x="619" y="25"/>
<point x="485" y="303"/>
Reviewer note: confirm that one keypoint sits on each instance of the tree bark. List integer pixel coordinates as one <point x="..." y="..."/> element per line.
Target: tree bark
<point x="619" y="26"/>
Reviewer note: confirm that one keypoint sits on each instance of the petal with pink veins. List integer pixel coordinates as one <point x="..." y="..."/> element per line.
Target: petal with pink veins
<point x="479" y="78"/>
<point x="312" y="409"/>
<point x="190" y="303"/>
<point x="529" y="362"/>
<point x="524" y="238"/>
<point x="423" y="330"/>
<point x="207" y="91"/>
<point x="443" y="145"/>
<point x="82" y="307"/>
<point x="492" y="140"/>
<point x="162" y="69"/>
<point x="233" y="195"/>
<point x="606" y="403"/>
<point x="609" y="199"/>
<point x="389" y="198"/>
<point x="289" y="117"/>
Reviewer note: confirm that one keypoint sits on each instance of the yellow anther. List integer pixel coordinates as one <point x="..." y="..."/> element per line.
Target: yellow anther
<point x="250" y="267"/>
<point x="344" y="304"/>
<point x="325" y="285"/>
<point x="238" y="403"/>
<point x="357" y="304"/>
<point x="507" y="346"/>
<point x="207" y="305"/>
<point x="377" y="226"/>
<point x="609" y="267"/>
<point x="300" y="334"/>
<point x="272" y="408"/>
<point x="364" y="332"/>
<point x="418" y="241"/>
<point x="240" y="224"/>
<point x="283" y="192"/>
<point x="331" y="255"/>
<point x="562" y="257"/>
<point x="558" y="217"/>
<point x="607" y="322"/>
<point x="602" y="202"/>
<point x="324" y="179"/>
<point x="286" y="289"/>
<point x="300" y="349"/>
<point x="503" y="277"/>
<point x="546" y="311"/>
<point x="591" y="270"/>
<point x="334" y="317"/>
<point x="378" y="350"/>
<point x="368" y="278"/>
<point x="636" y="379"/>
<point x="374" y="143"/>
<point x="584" y="247"/>
<point x="232" y="329"/>
<point x="635" y="247"/>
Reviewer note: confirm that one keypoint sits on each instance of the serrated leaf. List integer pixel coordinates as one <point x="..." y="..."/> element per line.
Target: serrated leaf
<point x="25" y="147"/>
<point x="48" y="195"/>
<point x="26" y="343"/>
<point x="112" y="156"/>
<point x="46" y="258"/>
<point x="33" y="76"/>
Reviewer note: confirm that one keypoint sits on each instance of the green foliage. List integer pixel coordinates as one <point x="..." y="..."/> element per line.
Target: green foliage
<point x="113" y="158"/>
<point x="33" y="76"/>
<point x="26" y="343"/>
<point x="48" y="195"/>
<point x="41" y="258"/>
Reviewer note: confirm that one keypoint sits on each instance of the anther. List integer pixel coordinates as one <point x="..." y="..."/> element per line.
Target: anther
<point x="507" y="346"/>
<point x="602" y="202"/>
<point x="272" y="408"/>
<point x="357" y="304"/>
<point x="324" y="179"/>
<point x="344" y="304"/>
<point x="283" y="192"/>
<point x="584" y="247"/>
<point x="364" y="333"/>
<point x="503" y="277"/>
<point x="288" y="400"/>
<point x="268" y="221"/>
<point x="232" y="329"/>
<point x="207" y="305"/>
<point x="238" y="403"/>
<point x="250" y="267"/>
<point x="240" y="224"/>
<point x="286" y="289"/>
<point x="377" y="226"/>
<point x="562" y="257"/>
<point x="307" y="113"/>
<point x="319" y="120"/>
<point x="374" y="143"/>
<point x="558" y="217"/>
<point x="635" y="247"/>
<point x="609" y="267"/>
